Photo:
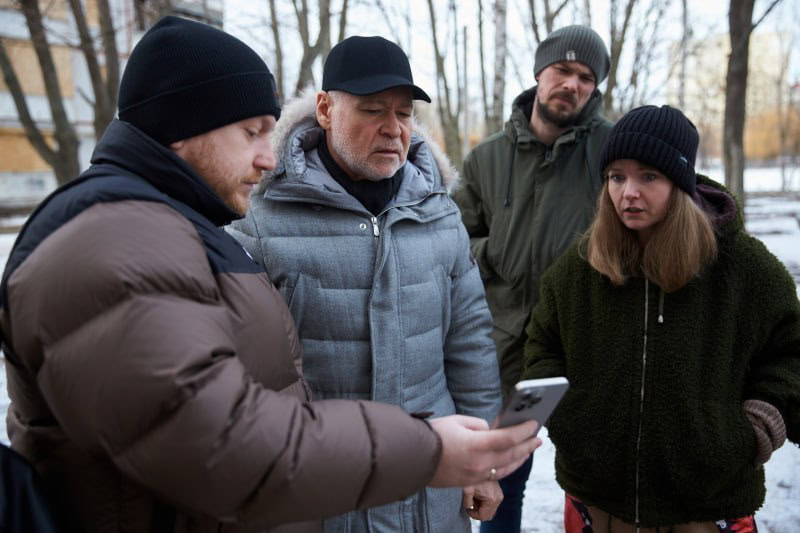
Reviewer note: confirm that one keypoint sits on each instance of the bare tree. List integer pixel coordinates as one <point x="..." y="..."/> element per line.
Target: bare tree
<point x="322" y="45"/>
<point x="741" y="26"/>
<point x="464" y="85"/>
<point x="647" y="34"/>
<point x="448" y="116"/>
<point x="618" y="34"/>
<point x="311" y="51"/>
<point x="105" y="90"/>
<point x="587" y="13"/>
<point x="276" y="38"/>
<point x="500" y="52"/>
<point x="63" y="158"/>
<point x="484" y="93"/>
<point x="548" y="17"/>
<point x="787" y="40"/>
<point x="390" y="14"/>
<point x="684" y="54"/>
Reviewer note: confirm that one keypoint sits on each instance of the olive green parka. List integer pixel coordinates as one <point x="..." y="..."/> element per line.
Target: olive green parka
<point x="523" y="203"/>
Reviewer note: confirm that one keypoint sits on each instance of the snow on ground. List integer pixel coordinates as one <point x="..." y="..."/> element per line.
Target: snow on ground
<point x="774" y="220"/>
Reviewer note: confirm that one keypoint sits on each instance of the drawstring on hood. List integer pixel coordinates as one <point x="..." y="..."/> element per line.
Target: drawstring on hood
<point x="661" y="306"/>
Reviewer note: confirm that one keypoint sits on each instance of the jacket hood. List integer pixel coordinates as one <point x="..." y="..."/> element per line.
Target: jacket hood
<point x="517" y="125"/>
<point x="300" y="115"/>
<point x="720" y="205"/>
<point x="123" y="145"/>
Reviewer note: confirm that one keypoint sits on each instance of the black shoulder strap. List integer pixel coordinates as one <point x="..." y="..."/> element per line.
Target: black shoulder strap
<point x="24" y="505"/>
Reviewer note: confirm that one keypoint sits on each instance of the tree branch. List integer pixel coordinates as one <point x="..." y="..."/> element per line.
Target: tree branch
<point x="32" y="131"/>
<point x="108" y="37"/>
<point x="100" y="102"/>
<point x="763" y="16"/>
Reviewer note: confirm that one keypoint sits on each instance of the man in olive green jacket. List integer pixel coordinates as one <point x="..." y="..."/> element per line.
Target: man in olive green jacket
<point x="528" y="192"/>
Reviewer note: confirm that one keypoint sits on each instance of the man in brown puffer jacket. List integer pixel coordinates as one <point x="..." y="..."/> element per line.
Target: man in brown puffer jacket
<point x="154" y="372"/>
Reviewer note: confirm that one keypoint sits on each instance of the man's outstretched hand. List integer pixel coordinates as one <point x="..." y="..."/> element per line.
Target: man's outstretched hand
<point x="472" y="453"/>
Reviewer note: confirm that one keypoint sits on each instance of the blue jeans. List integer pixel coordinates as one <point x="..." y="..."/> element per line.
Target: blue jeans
<point x="508" y="517"/>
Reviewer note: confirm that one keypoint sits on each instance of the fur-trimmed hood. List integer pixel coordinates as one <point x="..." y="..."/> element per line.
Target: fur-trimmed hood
<point x="299" y="114"/>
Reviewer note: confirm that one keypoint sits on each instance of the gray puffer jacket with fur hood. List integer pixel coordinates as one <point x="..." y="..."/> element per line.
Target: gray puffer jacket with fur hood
<point x="388" y="308"/>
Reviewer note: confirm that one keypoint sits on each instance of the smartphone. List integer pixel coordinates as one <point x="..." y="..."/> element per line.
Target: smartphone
<point x="533" y="399"/>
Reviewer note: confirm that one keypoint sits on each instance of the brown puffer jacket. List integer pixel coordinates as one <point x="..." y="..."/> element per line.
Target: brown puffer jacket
<point x="154" y="371"/>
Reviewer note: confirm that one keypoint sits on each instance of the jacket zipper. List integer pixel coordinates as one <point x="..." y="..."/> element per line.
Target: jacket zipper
<point x="374" y="219"/>
<point x="641" y="396"/>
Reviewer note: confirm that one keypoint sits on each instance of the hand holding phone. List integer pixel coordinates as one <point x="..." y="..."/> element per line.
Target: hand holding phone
<point x="533" y="399"/>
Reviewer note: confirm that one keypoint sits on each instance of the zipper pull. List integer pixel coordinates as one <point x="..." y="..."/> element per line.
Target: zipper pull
<point x="375" y="230"/>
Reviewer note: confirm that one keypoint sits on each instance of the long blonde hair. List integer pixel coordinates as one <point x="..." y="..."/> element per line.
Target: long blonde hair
<point x="680" y="246"/>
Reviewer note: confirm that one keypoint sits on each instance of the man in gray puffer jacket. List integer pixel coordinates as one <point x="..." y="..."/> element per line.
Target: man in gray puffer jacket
<point x="357" y="229"/>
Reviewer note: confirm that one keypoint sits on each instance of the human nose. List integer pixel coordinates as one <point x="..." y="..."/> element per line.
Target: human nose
<point x="571" y="83"/>
<point x="631" y="189"/>
<point x="265" y="156"/>
<point x="391" y="126"/>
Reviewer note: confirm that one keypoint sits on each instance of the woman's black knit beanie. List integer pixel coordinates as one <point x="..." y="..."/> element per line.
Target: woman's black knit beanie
<point x="658" y="136"/>
<point x="185" y="78"/>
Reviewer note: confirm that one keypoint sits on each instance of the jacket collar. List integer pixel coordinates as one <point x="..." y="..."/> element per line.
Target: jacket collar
<point x="126" y="146"/>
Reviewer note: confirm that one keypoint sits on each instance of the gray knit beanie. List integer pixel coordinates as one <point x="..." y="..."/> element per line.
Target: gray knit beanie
<point x="574" y="43"/>
<point x="658" y="136"/>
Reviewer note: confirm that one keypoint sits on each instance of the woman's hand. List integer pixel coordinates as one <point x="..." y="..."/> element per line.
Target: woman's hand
<point x="481" y="500"/>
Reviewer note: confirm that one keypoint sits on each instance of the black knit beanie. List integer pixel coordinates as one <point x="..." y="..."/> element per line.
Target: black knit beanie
<point x="185" y="78"/>
<point x="658" y="136"/>
<point x="574" y="43"/>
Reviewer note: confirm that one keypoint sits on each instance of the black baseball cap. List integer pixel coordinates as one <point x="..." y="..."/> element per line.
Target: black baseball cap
<point x="368" y="65"/>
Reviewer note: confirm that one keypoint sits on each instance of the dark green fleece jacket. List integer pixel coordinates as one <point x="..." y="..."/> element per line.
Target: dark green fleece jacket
<point x="523" y="203"/>
<point x="652" y="426"/>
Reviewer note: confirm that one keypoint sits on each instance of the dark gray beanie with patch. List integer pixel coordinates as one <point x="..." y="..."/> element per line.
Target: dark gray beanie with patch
<point x="185" y="78"/>
<point x="574" y="43"/>
<point x="661" y="137"/>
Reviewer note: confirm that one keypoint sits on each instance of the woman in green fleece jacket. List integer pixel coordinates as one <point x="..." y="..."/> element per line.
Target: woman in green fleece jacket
<point x="680" y="335"/>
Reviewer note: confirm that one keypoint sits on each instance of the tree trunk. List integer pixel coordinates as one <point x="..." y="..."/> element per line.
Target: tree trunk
<point x="310" y="52"/>
<point x="64" y="159"/>
<point x="32" y="131"/>
<point x="104" y="109"/>
<point x="684" y="55"/>
<point x="617" y="42"/>
<point x="740" y="19"/>
<point x="500" y="52"/>
<point x="276" y="37"/>
<point x="464" y="85"/>
<point x="484" y="93"/>
<point x="447" y="118"/>
<point x="550" y="14"/>
<point x="108" y="36"/>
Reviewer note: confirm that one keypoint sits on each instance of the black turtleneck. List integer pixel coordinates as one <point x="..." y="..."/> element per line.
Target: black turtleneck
<point x="374" y="195"/>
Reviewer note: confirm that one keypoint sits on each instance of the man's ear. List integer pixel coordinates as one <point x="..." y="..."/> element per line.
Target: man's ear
<point x="324" y="110"/>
